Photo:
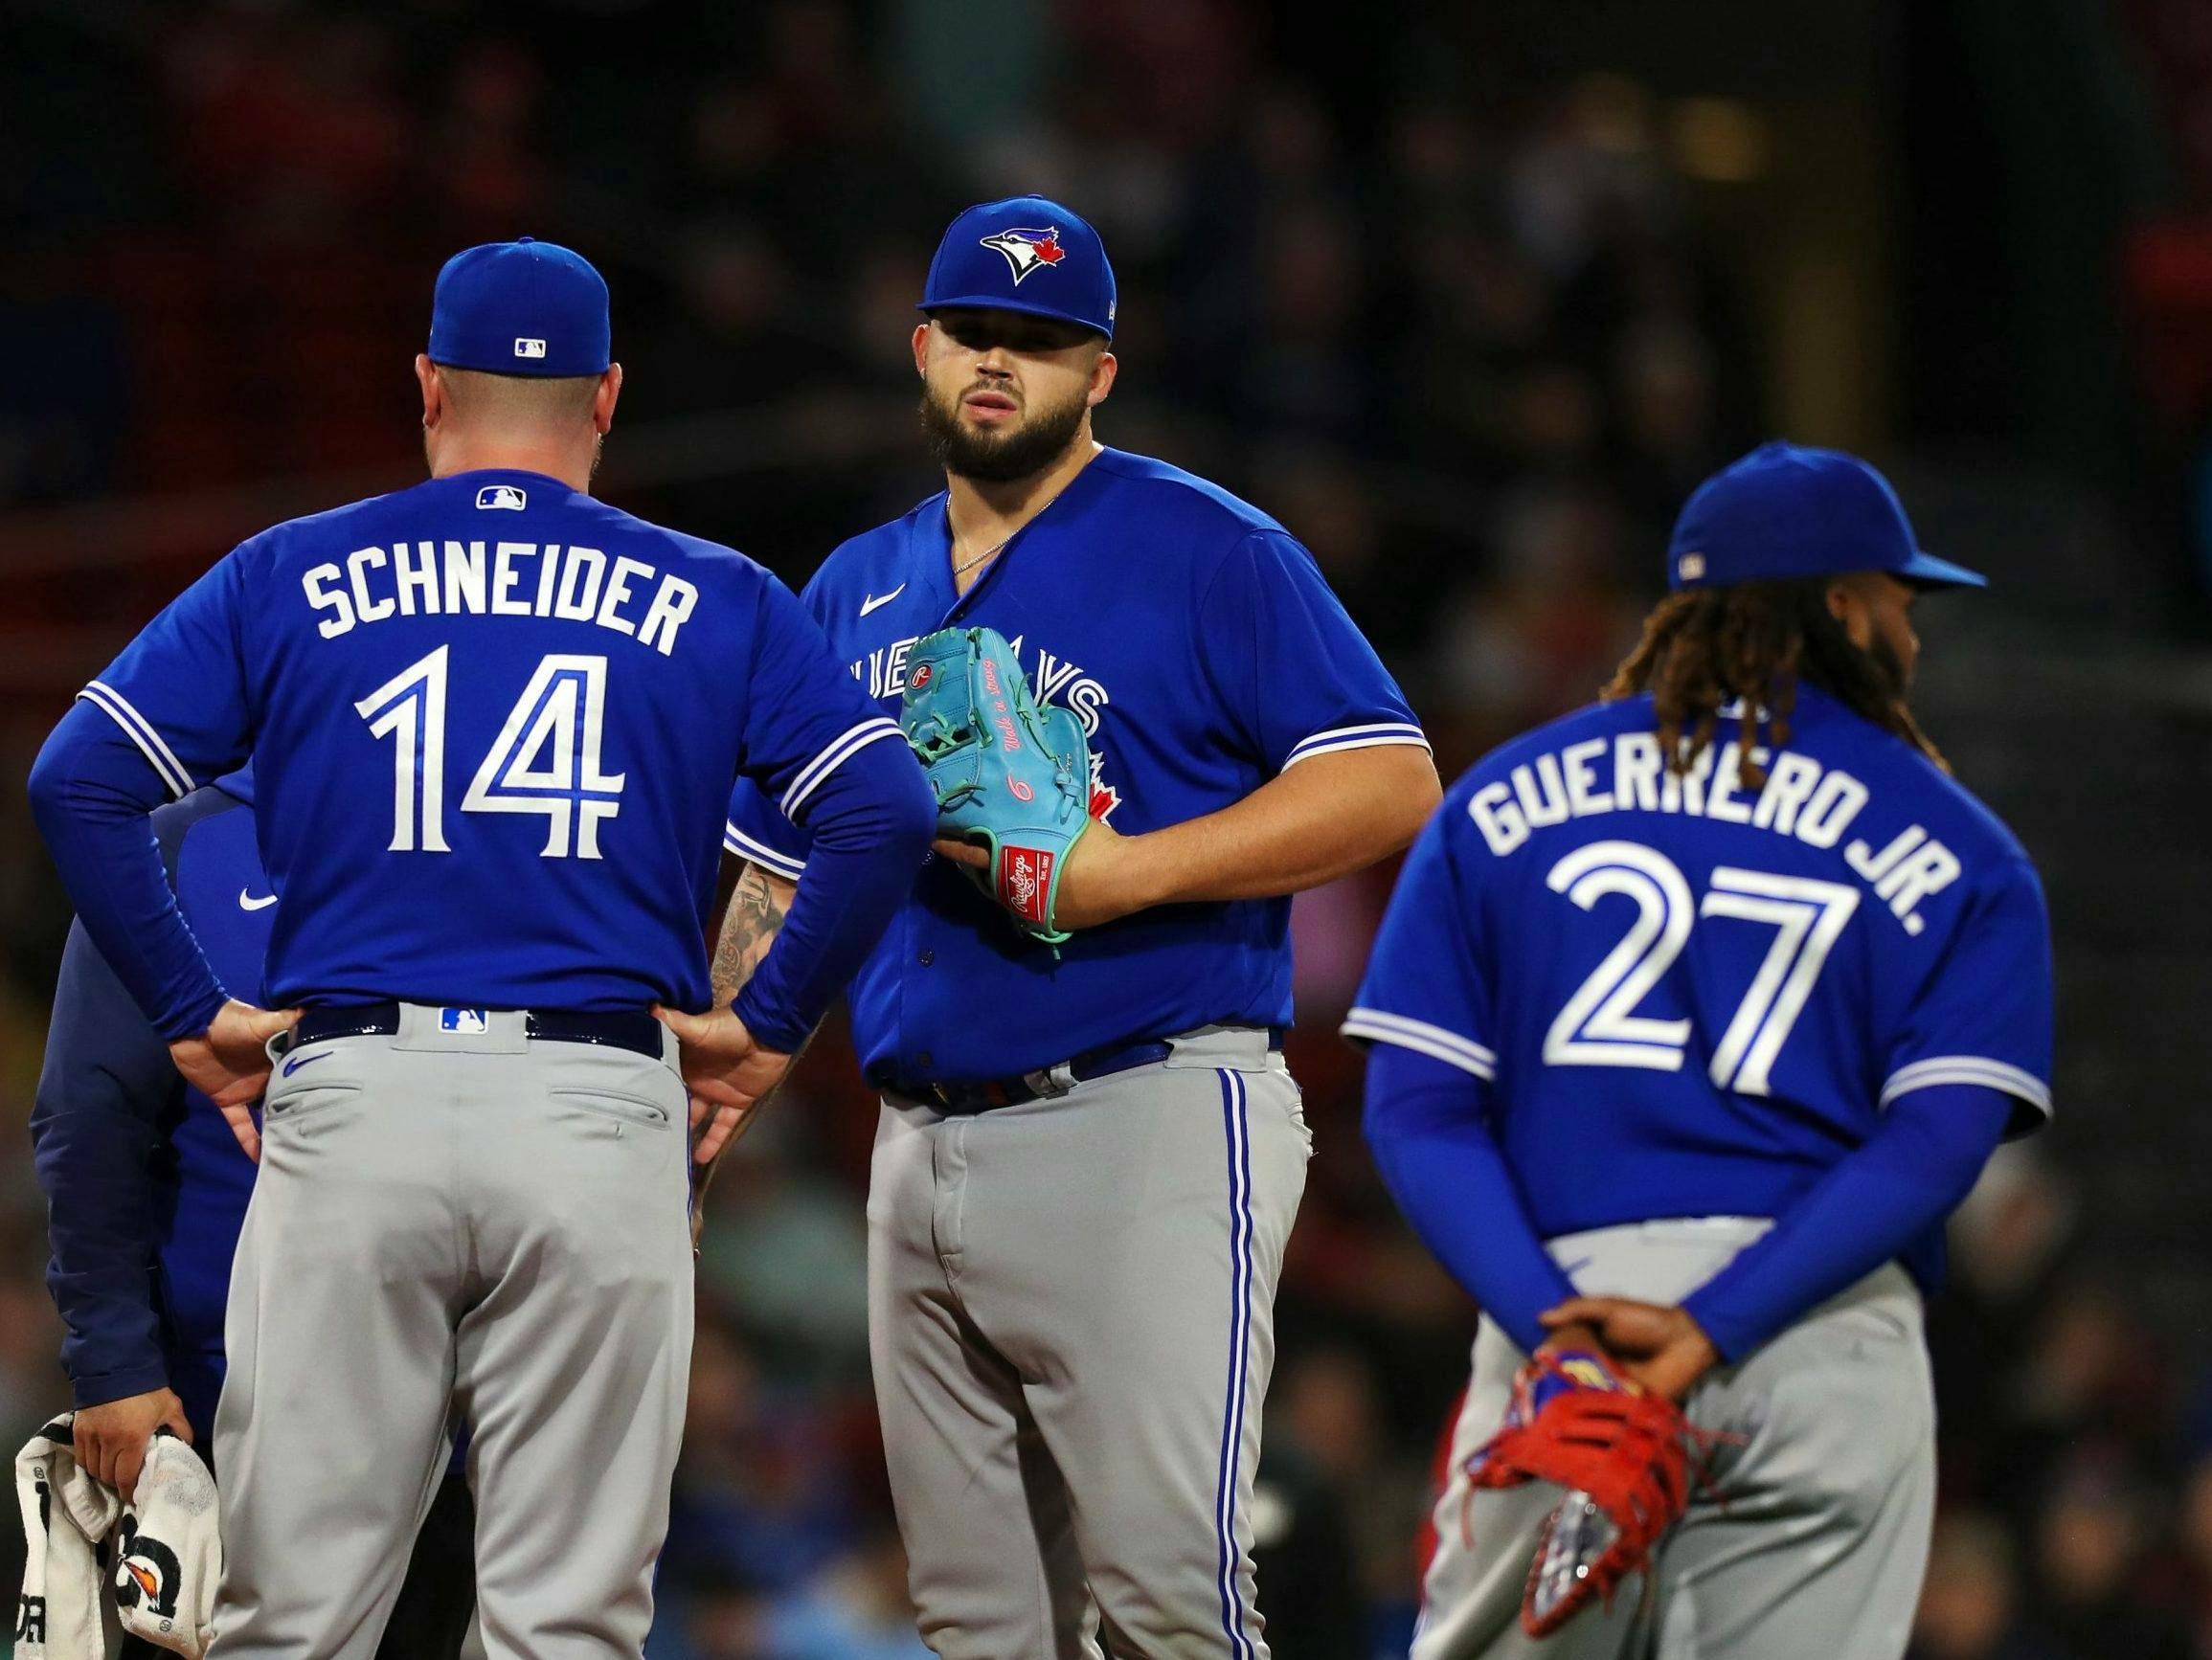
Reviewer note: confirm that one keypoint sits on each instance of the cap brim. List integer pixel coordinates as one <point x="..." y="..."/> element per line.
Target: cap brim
<point x="1928" y="570"/>
<point x="1004" y="302"/>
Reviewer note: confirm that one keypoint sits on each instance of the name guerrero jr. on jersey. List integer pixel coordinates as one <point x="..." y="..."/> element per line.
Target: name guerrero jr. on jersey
<point x="1812" y="803"/>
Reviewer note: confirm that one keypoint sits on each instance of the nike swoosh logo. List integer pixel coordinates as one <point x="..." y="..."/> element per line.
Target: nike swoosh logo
<point x="247" y="902"/>
<point x="297" y="1061"/>
<point x="871" y="602"/>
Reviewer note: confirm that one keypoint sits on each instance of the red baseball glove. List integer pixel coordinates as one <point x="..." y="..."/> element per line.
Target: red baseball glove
<point x="1624" y="1456"/>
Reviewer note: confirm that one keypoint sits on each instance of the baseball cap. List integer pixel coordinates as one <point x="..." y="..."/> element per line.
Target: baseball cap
<point x="520" y="307"/>
<point x="1024" y="254"/>
<point x="1785" y="510"/>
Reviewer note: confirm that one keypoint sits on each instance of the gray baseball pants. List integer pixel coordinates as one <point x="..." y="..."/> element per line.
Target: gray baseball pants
<point x="1814" y="1538"/>
<point x="445" y="1226"/>
<point x="1071" y="1319"/>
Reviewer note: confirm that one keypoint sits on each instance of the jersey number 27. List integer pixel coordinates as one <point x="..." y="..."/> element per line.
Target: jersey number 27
<point x="546" y="758"/>
<point x="1599" y="1026"/>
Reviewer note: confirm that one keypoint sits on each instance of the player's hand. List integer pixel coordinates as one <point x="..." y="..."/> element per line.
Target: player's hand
<point x="112" y="1438"/>
<point x="1102" y="879"/>
<point x="229" y="1064"/>
<point x="726" y="1072"/>
<point x="1664" y="1349"/>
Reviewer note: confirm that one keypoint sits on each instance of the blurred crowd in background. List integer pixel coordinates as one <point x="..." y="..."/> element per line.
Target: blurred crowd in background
<point x="1470" y="321"/>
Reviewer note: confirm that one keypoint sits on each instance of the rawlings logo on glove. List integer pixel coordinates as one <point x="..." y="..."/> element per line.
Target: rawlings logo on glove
<point x="1010" y="775"/>
<point x="1624" y="1456"/>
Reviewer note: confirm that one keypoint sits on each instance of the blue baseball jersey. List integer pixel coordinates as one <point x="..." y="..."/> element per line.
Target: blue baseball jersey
<point x="146" y="1184"/>
<point x="1689" y="998"/>
<point x="1204" y="653"/>
<point x="496" y="723"/>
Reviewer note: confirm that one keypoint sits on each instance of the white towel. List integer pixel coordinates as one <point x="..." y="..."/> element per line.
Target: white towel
<point x="165" y="1546"/>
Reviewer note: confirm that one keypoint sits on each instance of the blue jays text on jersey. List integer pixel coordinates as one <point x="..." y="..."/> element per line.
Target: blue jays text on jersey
<point x="1689" y="998"/>
<point x="496" y="724"/>
<point x="1204" y="653"/>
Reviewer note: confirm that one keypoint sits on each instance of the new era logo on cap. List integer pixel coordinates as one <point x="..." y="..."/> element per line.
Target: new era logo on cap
<point x="529" y="348"/>
<point x="505" y="496"/>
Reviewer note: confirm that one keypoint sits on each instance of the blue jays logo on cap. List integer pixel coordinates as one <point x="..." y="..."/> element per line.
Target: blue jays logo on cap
<point x="1028" y="252"/>
<point x="993" y="249"/>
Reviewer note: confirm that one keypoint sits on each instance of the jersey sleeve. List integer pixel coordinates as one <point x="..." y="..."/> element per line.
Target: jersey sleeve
<point x="1424" y="989"/>
<point x="757" y="831"/>
<point x="805" y="717"/>
<point x="179" y="690"/>
<point x="1299" y="678"/>
<point x="1982" y="1015"/>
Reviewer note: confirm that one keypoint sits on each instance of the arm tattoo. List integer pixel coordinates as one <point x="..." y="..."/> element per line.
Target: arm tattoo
<point x="755" y="916"/>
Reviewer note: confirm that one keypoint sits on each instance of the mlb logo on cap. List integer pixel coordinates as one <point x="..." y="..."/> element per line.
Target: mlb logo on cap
<point x="991" y="253"/>
<point x="520" y="307"/>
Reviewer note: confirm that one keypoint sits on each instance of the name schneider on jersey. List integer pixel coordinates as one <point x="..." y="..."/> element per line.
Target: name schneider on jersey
<point x="486" y="578"/>
<point x="1802" y="798"/>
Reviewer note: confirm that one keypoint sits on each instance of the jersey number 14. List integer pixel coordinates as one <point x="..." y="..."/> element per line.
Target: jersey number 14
<point x="546" y="758"/>
<point x="1599" y="1026"/>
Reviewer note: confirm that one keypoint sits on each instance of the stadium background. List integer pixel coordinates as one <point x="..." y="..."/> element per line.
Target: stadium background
<point x="1468" y="295"/>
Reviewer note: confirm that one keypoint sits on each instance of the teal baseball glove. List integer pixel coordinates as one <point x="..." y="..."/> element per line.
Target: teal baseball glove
<point x="1012" y="776"/>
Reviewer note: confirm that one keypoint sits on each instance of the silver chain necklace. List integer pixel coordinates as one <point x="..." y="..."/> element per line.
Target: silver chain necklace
<point x="987" y="552"/>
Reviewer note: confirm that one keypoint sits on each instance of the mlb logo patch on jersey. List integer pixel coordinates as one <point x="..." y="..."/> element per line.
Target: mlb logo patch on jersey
<point x="1027" y="251"/>
<point x="469" y="1022"/>
<point x="526" y="348"/>
<point x="505" y="496"/>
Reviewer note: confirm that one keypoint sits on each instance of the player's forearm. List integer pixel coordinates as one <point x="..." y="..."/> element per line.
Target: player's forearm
<point x="871" y="821"/>
<point x="1861" y="1214"/>
<point x="1312" y="823"/>
<point x="1424" y="1126"/>
<point x="91" y="791"/>
<point x="757" y="906"/>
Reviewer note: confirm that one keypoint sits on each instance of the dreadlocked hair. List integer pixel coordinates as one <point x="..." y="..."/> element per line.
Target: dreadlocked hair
<point x="1751" y="644"/>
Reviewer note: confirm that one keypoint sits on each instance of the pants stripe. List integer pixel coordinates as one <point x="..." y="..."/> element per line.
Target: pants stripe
<point x="1238" y="1136"/>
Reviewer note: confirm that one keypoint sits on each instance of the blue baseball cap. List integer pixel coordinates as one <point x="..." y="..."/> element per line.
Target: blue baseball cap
<point x="1024" y="254"/>
<point x="521" y="308"/>
<point x="1785" y="511"/>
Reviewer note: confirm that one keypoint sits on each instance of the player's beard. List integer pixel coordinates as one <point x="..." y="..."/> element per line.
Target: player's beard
<point x="1000" y="458"/>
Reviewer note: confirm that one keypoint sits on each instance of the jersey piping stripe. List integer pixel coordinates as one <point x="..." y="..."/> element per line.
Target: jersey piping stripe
<point x="1435" y="1041"/>
<point x="1374" y="736"/>
<point x="736" y="840"/>
<point x="1981" y="1070"/>
<point x="140" y="731"/>
<point x="834" y="755"/>
<point x="1237" y="1125"/>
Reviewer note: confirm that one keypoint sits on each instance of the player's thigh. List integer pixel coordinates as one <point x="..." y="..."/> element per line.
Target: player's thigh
<point x="1815" y="1538"/>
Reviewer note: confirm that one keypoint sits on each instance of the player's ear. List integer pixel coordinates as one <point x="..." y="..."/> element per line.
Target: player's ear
<point x="922" y="349"/>
<point x="604" y="400"/>
<point x="433" y="386"/>
<point x="1102" y="372"/>
<point x="1848" y="606"/>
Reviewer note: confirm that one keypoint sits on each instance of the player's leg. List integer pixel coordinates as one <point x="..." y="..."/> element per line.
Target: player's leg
<point x="992" y="1555"/>
<point x="438" y="1599"/>
<point x="1128" y="1240"/>
<point x="331" y="1433"/>
<point x="571" y="1370"/>
<point x="1816" y="1540"/>
<point x="1486" y="1538"/>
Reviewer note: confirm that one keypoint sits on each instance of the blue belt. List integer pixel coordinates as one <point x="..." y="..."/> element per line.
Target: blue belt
<point x="965" y="1100"/>
<point x="631" y="1029"/>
